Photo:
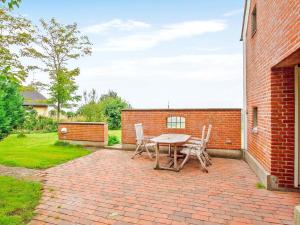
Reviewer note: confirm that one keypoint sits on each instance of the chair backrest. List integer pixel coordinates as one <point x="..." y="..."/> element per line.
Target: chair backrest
<point x="139" y="133"/>
<point x="208" y="135"/>
<point x="203" y="133"/>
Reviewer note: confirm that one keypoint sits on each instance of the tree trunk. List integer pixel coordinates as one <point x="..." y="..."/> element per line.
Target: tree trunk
<point x="58" y="112"/>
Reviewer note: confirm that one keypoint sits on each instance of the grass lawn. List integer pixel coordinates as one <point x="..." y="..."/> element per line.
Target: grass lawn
<point x="37" y="151"/>
<point x="117" y="133"/>
<point x="114" y="137"/>
<point x="18" y="199"/>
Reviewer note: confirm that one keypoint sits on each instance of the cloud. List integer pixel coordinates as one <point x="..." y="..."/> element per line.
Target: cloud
<point x="202" y="67"/>
<point x="116" y="24"/>
<point x="233" y="12"/>
<point x="184" y="80"/>
<point x="146" y="40"/>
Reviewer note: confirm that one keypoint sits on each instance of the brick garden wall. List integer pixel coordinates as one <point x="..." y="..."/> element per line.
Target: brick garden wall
<point x="271" y="89"/>
<point x="226" y="131"/>
<point x="88" y="132"/>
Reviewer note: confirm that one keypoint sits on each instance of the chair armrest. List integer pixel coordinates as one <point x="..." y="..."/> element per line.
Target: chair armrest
<point x="148" y="137"/>
<point x="195" y="141"/>
<point x="195" y="138"/>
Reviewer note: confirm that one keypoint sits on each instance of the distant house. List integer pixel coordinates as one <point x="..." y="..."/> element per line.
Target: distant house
<point x="37" y="101"/>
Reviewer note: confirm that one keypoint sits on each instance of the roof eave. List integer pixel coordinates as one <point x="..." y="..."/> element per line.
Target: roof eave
<point x="244" y="19"/>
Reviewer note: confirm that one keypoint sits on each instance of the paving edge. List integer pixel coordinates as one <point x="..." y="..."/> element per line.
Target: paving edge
<point x="297" y="215"/>
<point x="268" y="180"/>
<point x="220" y="153"/>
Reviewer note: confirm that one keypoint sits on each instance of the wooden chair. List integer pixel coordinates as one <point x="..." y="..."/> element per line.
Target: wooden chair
<point x="205" y="143"/>
<point x="195" y="148"/>
<point x="143" y="143"/>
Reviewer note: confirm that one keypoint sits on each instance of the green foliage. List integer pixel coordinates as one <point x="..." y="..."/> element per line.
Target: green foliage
<point x="93" y="112"/>
<point x="61" y="143"/>
<point x="37" y="151"/>
<point x="35" y="123"/>
<point x="55" y="45"/>
<point x="112" y="109"/>
<point x="63" y="88"/>
<point x="18" y="199"/>
<point x="113" y="140"/>
<point x="109" y="94"/>
<point x="260" y="185"/>
<point x="107" y="108"/>
<point x="11" y="109"/>
<point x="21" y="135"/>
<point x="15" y="34"/>
<point x="11" y="4"/>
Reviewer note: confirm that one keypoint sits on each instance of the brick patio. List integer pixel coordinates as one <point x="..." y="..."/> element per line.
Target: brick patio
<point x="107" y="187"/>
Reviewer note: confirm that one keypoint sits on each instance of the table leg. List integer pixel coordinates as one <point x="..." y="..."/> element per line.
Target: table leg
<point x="157" y="157"/>
<point x="175" y="158"/>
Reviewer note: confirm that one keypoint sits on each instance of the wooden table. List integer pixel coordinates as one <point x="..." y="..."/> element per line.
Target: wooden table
<point x="174" y="140"/>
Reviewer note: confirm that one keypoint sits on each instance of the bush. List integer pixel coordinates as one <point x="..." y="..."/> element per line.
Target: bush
<point x="66" y="144"/>
<point x="61" y="143"/>
<point x="11" y="109"/>
<point x="21" y="135"/>
<point x="107" y="108"/>
<point x="35" y="123"/>
<point x="113" y="140"/>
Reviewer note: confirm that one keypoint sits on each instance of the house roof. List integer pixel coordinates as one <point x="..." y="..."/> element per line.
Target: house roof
<point x="34" y="98"/>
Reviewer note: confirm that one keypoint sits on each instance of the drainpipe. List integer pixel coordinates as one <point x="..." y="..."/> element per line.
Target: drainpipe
<point x="244" y="97"/>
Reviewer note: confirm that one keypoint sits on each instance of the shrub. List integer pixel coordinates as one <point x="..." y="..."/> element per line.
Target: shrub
<point x="66" y="144"/>
<point x="35" y="123"/>
<point x="113" y="140"/>
<point x="11" y="109"/>
<point x="107" y="108"/>
<point x="21" y="135"/>
<point x="61" y="143"/>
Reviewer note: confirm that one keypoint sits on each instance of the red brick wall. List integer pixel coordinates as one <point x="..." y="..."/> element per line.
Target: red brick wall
<point x="282" y="126"/>
<point x="277" y="37"/>
<point x="226" y="130"/>
<point x="77" y="131"/>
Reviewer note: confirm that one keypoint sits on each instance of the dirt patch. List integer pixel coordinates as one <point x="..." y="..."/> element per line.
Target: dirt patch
<point x="23" y="173"/>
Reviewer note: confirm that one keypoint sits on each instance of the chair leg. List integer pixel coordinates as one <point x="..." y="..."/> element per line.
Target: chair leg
<point x="148" y="151"/>
<point x="136" y="151"/>
<point x="207" y="158"/>
<point x="202" y="163"/>
<point x="185" y="160"/>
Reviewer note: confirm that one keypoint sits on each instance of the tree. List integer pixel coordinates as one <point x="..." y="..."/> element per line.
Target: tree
<point x="109" y="94"/>
<point x="107" y="108"/>
<point x="11" y="109"/>
<point x="57" y="45"/>
<point x="63" y="89"/>
<point x="11" y="4"/>
<point x="112" y="109"/>
<point x="15" y="34"/>
<point x="90" y="97"/>
<point x="91" y="109"/>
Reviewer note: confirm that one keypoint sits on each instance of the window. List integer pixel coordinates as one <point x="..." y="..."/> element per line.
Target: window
<point x="254" y="21"/>
<point x="175" y="122"/>
<point x="255" y="112"/>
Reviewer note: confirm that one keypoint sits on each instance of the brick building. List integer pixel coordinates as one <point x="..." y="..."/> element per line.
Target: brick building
<point x="271" y="38"/>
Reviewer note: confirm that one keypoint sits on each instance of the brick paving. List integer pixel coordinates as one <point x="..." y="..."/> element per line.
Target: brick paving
<point x="107" y="187"/>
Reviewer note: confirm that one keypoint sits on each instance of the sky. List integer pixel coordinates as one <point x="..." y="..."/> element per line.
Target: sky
<point x="155" y="53"/>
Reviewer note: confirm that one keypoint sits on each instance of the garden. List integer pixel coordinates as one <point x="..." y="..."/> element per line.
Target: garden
<point x="28" y="140"/>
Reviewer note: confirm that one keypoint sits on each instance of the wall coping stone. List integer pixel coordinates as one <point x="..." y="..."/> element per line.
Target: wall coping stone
<point x="84" y="123"/>
<point x="186" y="109"/>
